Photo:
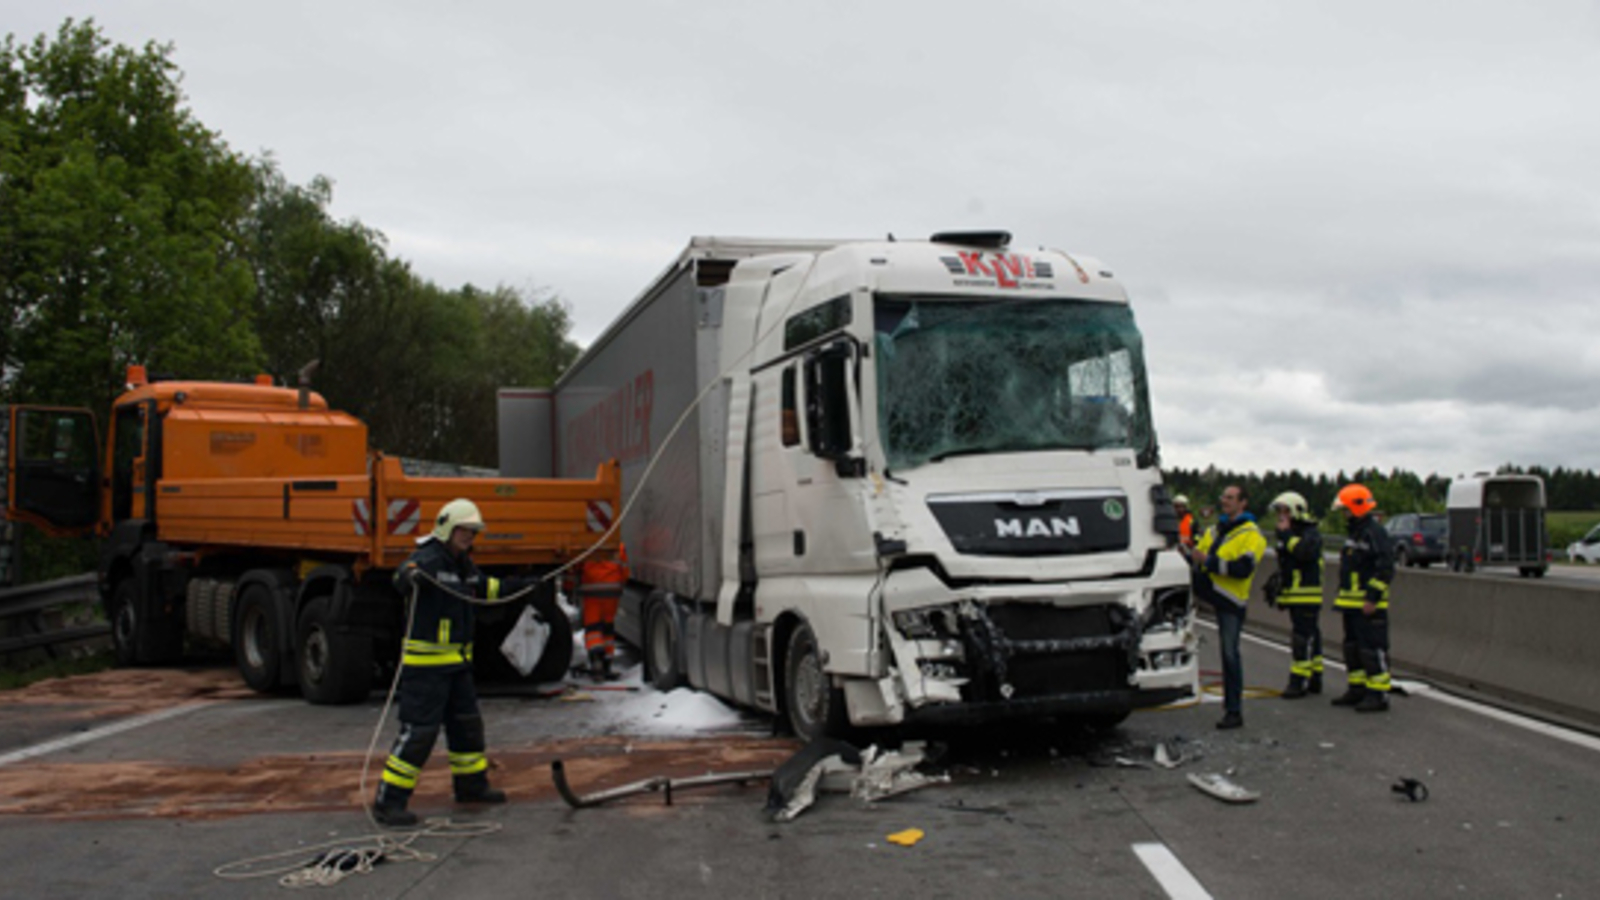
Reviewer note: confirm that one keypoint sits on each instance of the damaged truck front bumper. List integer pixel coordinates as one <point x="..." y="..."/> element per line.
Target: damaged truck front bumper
<point x="1089" y="648"/>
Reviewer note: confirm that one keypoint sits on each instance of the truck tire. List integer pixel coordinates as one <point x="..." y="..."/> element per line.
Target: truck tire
<point x="661" y="648"/>
<point x="491" y="665"/>
<point x="258" y="641"/>
<point x="814" y="706"/>
<point x="335" y="665"/>
<point x="136" y="639"/>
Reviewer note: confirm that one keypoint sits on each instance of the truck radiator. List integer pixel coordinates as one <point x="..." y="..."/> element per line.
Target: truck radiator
<point x="1021" y="650"/>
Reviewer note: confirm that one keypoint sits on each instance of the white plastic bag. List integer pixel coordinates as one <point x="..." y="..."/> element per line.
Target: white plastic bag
<point x="525" y="643"/>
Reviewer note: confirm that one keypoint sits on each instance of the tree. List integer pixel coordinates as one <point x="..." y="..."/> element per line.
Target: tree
<point x="120" y="224"/>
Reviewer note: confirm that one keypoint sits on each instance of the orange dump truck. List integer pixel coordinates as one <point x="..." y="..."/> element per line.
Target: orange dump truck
<point x="255" y="516"/>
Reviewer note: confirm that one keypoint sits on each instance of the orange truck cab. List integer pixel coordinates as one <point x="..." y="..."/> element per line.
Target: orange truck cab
<point x="255" y="516"/>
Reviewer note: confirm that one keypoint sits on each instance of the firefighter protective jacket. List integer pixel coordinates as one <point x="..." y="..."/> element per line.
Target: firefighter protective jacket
<point x="1300" y="562"/>
<point x="1229" y="567"/>
<point x="441" y="628"/>
<point x="1366" y="566"/>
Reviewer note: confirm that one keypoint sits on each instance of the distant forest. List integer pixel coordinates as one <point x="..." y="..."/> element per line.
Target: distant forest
<point x="1396" y="490"/>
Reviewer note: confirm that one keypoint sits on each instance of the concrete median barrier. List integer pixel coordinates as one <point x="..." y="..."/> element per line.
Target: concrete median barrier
<point x="1530" y="643"/>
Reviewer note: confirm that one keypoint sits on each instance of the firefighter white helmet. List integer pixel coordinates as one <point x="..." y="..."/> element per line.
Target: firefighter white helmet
<point x="460" y="513"/>
<point x="1296" y="505"/>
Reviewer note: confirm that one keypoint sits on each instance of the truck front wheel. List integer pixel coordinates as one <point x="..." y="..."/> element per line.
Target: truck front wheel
<point x="135" y="637"/>
<point x="815" y="706"/>
<point x="257" y="639"/>
<point x="335" y="665"/>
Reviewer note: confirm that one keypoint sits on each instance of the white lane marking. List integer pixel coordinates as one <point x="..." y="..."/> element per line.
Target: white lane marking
<point x="95" y="734"/>
<point x="1440" y="695"/>
<point x="1170" y="873"/>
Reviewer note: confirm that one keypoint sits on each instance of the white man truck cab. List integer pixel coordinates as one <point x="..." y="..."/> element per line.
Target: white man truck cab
<point x="883" y="482"/>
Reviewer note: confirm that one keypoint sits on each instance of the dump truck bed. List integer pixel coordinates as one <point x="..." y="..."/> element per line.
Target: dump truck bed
<point x="378" y="519"/>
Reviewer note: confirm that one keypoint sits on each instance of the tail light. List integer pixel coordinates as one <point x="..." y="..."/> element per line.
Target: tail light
<point x="1418" y="539"/>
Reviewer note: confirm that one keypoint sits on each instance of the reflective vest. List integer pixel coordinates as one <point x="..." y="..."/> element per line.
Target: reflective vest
<point x="1186" y="530"/>
<point x="1242" y="540"/>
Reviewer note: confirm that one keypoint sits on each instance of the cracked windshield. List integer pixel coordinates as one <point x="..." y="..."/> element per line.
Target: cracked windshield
<point x="990" y="375"/>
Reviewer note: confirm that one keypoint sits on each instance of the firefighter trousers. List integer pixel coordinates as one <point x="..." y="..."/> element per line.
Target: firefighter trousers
<point x="434" y="698"/>
<point x="1305" y="643"/>
<point x="1366" y="649"/>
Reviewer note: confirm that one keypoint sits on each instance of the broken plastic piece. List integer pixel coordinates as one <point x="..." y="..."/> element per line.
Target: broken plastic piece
<point x="1221" y="788"/>
<point x="1168" y="756"/>
<point x="1414" y="790"/>
<point x="905" y="838"/>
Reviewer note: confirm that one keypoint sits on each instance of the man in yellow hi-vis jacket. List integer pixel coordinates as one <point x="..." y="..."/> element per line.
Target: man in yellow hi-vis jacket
<point x="436" y="687"/>
<point x="1225" y="563"/>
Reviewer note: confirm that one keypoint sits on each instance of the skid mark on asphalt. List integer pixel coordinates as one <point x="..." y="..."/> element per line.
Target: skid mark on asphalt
<point x="1170" y="872"/>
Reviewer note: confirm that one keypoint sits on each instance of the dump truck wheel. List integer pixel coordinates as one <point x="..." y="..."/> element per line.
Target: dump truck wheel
<point x="257" y="641"/>
<point x="136" y="639"/>
<point x="335" y="667"/>
<point x="661" y="648"/>
<point x="815" y="707"/>
<point x="125" y="622"/>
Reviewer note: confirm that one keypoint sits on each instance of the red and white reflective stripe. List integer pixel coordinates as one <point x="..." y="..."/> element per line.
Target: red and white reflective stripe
<point x="404" y="516"/>
<point x="362" y="516"/>
<point x="599" y="515"/>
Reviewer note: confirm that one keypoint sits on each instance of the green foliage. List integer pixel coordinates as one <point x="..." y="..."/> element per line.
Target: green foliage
<point x="119" y="223"/>
<point x="1564" y="527"/>
<point x="56" y="668"/>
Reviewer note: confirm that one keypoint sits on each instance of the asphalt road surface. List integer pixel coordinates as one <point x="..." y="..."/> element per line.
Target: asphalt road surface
<point x="103" y="794"/>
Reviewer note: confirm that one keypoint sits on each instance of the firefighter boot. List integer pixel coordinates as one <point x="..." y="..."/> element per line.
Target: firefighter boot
<point x="1374" y="701"/>
<point x="1314" y="686"/>
<point x="1351" y="697"/>
<point x="1296" y="688"/>
<point x="475" y="789"/>
<point x="389" y="808"/>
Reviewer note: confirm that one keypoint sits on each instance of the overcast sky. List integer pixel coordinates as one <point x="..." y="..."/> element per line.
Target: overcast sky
<point x="1356" y="233"/>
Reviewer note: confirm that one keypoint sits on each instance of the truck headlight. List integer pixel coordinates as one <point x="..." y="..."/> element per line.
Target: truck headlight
<point x="1169" y="606"/>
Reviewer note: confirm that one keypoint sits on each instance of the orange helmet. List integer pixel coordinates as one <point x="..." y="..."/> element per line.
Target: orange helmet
<point x="1357" y="499"/>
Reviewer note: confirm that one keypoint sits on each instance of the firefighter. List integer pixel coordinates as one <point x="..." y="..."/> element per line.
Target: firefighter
<point x="1366" y="566"/>
<point x="436" y="687"/>
<point x="1180" y="504"/>
<point x="1225" y="562"/>
<point x="1300" y="590"/>
<point x="601" y="589"/>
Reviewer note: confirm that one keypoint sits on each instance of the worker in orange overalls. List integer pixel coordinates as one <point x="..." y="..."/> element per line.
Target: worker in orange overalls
<point x="600" y="588"/>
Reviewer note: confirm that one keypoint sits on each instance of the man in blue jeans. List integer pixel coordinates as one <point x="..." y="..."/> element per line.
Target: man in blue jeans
<point x="1225" y="562"/>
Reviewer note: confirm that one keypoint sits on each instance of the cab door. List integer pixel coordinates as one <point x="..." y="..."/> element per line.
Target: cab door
<point x="52" y="469"/>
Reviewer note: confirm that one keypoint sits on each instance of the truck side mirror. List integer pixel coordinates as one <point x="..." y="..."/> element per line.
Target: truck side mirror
<point x="828" y="398"/>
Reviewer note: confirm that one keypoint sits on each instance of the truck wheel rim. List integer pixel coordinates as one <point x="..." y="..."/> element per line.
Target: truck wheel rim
<point x="808" y="688"/>
<point x="661" y="648"/>
<point x="316" y="654"/>
<point x="253" y="629"/>
<point x="125" y="626"/>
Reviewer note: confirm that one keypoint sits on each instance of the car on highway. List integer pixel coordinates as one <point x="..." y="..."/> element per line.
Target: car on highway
<point x="1587" y="548"/>
<point x="1419" y="538"/>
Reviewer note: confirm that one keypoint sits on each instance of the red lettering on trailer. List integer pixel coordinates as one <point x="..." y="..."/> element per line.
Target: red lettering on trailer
<point x="617" y="427"/>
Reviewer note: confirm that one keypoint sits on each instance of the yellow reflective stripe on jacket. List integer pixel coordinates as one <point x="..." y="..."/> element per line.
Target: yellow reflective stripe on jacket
<point x="494" y="589"/>
<point x="1245" y="540"/>
<point x="425" y="653"/>
<point x="1352" y="595"/>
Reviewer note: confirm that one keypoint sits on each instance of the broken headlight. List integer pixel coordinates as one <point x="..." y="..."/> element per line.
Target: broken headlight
<point x="934" y="623"/>
<point x="1169" y="606"/>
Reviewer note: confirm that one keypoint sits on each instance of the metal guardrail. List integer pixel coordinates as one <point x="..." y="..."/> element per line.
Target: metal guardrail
<point x="29" y="601"/>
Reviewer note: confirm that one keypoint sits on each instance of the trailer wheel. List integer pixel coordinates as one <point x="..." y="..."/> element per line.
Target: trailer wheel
<point x="335" y="666"/>
<point x="815" y="707"/>
<point x="661" y="648"/>
<point x="257" y="641"/>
